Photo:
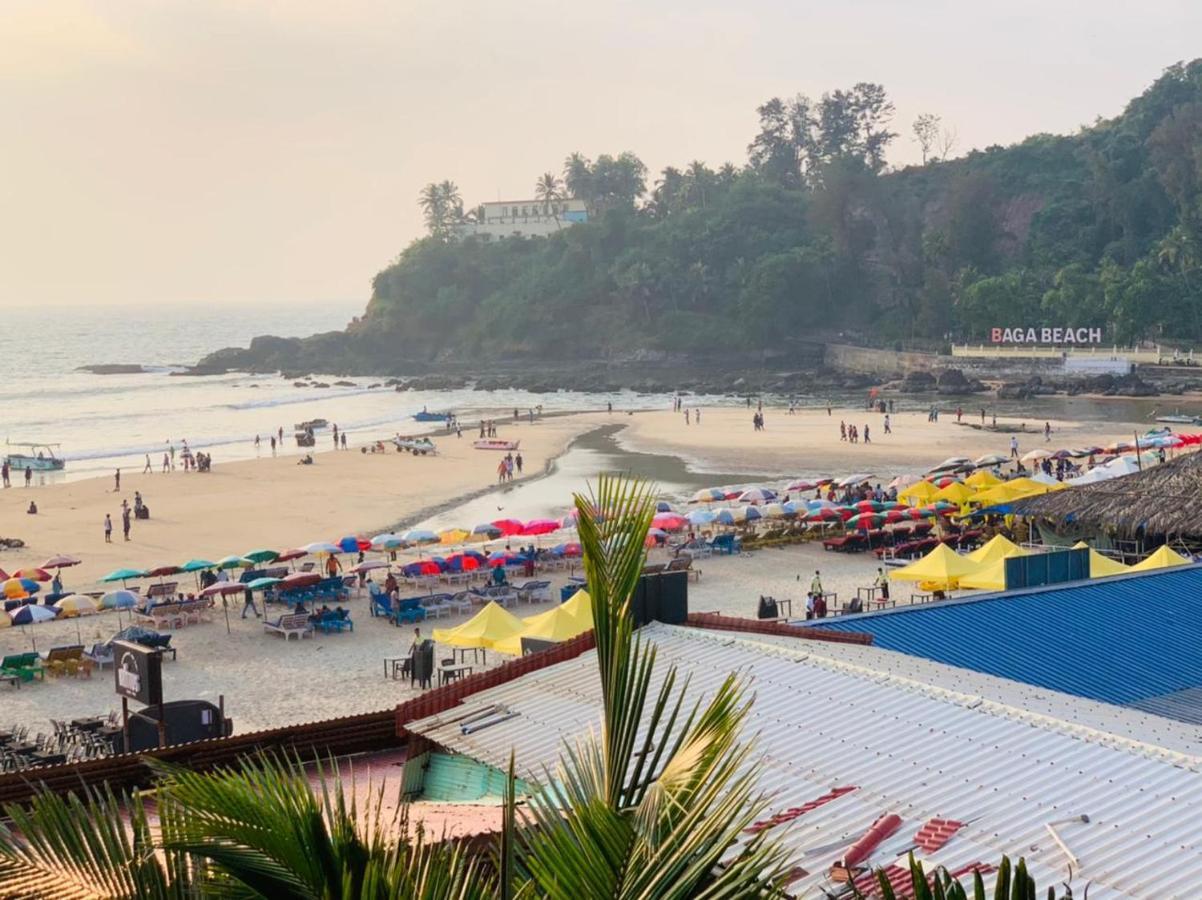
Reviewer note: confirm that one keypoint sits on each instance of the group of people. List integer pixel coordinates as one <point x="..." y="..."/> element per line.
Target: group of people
<point x="6" y="475"/>
<point x="506" y="467"/>
<point x="851" y="434"/>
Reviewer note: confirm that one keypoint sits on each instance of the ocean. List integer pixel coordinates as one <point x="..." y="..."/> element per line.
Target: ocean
<point x="103" y="422"/>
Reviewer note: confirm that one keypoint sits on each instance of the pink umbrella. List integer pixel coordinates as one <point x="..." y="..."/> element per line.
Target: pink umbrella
<point x="540" y="526"/>
<point x="223" y="587"/>
<point x="508" y="527"/>
<point x="369" y="565"/>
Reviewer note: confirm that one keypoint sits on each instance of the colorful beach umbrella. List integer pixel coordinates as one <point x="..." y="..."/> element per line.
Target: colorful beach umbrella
<point x="419" y="536"/>
<point x="19" y="588"/>
<point x="757" y="495"/>
<point x="33" y="574"/>
<point x="262" y="584"/>
<point x="261" y="556"/>
<point x="120" y="600"/>
<point x="162" y="571"/>
<point x="508" y="527"/>
<point x="289" y="555"/>
<point x="352" y="544"/>
<point x="123" y="575"/>
<point x="701" y="516"/>
<point x="463" y="562"/>
<point x="487" y="531"/>
<point x="61" y="562"/>
<point x="387" y="541"/>
<point x="322" y="547"/>
<point x="540" y="526"/>
<point x="570" y="549"/>
<point x="669" y="521"/>
<point x="773" y="510"/>
<point x="866" y="520"/>
<point x="420" y="567"/>
<point x="805" y="485"/>
<point x="663" y="506"/>
<point x="76" y="605"/>
<point x="223" y="587"/>
<point x="364" y="567"/>
<point x="32" y="615"/>
<point x="708" y="495"/>
<point x="299" y="580"/>
<point x="196" y="565"/>
<point x="453" y="536"/>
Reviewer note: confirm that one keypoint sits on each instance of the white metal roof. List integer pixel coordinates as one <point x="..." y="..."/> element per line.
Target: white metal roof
<point x="909" y="747"/>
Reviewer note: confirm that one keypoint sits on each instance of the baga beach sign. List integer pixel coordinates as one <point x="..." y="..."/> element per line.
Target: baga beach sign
<point x="1044" y="335"/>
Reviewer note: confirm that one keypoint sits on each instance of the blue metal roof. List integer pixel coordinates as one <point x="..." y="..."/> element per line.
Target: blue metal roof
<point x="1125" y="640"/>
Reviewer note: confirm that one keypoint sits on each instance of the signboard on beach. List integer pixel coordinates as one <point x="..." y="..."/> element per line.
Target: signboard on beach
<point x="1045" y="335"/>
<point x="138" y="672"/>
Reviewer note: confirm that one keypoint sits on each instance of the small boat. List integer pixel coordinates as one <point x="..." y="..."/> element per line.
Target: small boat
<point x="495" y="444"/>
<point x="1179" y="419"/>
<point x="311" y="425"/>
<point x="425" y="416"/>
<point x="39" y="458"/>
<point x="418" y="446"/>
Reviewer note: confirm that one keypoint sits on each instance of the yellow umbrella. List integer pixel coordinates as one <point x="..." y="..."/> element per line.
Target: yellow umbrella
<point x="76" y="605"/>
<point x="452" y="536"/>
<point x="491" y="624"/>
<point x="982" y="478"/>
<point x="1163" y="558"/>
<point x="942" y="566"/>
<point x="956" y="492"/>
<point x="998" y="547"/>
<point x="918" y="493"/>
<point x="1101" y="566"/>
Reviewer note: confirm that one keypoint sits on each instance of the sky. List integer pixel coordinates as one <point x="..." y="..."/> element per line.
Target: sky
<point x="163" y="152"/>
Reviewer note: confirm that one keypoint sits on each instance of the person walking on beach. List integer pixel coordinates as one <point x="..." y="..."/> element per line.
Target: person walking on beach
<point x="273" y="445"/>
<point x="816" y="584"/>
<point x="888" y="429"/>
<point x="172" y="449"/>
<point x="147" y="468"/>
<point x="125" y="516"/>
<point x="28" y="475"/>
<point x="501" y="471"/>
<point x="333" y="566"/>
<point x="1047" y="431"/>
<point x="1013" y="447"/>
<point x="108" y="528"/>
<point x="517" y="461"/>
<point x="4" y="473"/>
<point x="248" y="603"/>
<point x="686" y="417"/>
<point x="882" y="583"/>
<point x="117" y="482"/>
<point x="959" y="413"/>
<point x="256" y="445"/>
<point x="982" y="417"/>
<point x="166" y="463"/>
<point x="842" y="430"/>
<point x="867" y="439"/>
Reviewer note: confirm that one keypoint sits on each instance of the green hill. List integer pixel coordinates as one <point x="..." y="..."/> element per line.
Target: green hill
<point x="812" y="237"/>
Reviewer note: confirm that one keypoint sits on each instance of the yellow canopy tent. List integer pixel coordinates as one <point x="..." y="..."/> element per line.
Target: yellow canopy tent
<point x="982" y="478"/>
<point x="1101" y="566"/>
<point x="493" y="623"/>
<point x="917" y="493"/>
<point x="580" y="605"/>
<point x="943" y="566"/>
<point x="1163" y="558"/>
<point x="1027" y="487"/>
<point x="556" y="624"/>
<point x="990" y="576"/>
<point x="998" y="547"/>
<point x="956" y="492"/>
<point x="1000" y="493"/>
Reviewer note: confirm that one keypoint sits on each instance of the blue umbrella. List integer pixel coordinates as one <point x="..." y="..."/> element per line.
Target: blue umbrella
<point x="119" y="600"/>
<point x="124" y="575"/>
<point x="196" y="565"/>
<point x="701" y="516"/>
<point x="663" y="506"/>
<point x="31" y="615"/>
<point x="349" y="544"/>
<point x="259" y="584"/>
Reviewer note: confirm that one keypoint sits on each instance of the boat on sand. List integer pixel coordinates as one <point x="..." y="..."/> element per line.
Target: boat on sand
<point x="38" y="457"/>
<point x="495" y="444"/>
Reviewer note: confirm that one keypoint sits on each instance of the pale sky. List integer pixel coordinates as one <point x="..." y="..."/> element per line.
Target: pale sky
<point x="184" y="151"/>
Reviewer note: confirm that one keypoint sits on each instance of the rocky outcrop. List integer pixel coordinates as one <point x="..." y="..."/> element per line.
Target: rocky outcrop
<point x="113" y="369"/>
<point x="952" y="381"/>
<point x="918" y="383"/>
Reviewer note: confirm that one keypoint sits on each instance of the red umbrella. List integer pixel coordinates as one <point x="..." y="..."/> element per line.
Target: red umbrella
<point x="508" y="526"/>
<point x="223" y="587"/>
<point x="289" y="555"/>
<point x="33" y="574"/>
<point x="463" y="562"/>
<point x="669" y="521"/>
<point x="163" y="571"/>
<point x="4" y="576"/>
<point x="540" y="526"/>
<point x="825" y="514"/>
<point x="299" y="580"/>
<point x="60" y="562"/>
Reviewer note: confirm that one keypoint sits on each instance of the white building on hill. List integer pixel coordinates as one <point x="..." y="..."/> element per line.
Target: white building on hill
<point x="524" y="218"/>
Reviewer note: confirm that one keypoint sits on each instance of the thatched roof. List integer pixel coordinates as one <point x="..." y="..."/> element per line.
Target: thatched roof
<point x="1162" y="500"/>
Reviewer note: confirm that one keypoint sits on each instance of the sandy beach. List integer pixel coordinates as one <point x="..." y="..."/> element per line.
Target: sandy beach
<point x="276" y="503"/>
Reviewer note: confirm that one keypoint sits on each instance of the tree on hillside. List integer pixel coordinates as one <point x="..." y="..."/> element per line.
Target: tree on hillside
<point x="442" y="208"/>
<point x="548" y="188"/>
<point x="926" y="133"/>
<point x="612" y="182"/>
<point x="698" y="183"/>
<point x="854" y="125"/>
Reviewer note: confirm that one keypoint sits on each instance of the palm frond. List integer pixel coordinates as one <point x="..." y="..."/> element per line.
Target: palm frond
<point x="69" y="844"/>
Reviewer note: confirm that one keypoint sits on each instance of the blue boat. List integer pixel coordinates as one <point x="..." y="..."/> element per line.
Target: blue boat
<point x="424" y="416"/>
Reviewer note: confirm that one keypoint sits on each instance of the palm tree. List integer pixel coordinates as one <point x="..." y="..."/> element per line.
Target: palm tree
<point x="442" y="208"/>
<point x="549" y="189"/>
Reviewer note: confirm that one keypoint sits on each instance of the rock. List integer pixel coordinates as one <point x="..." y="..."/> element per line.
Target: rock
<point x="320" y="384"/>
<point x="918" y="383"/>
<point x="300" y="384"/>
<point x="372" y="387"/>
<point x="1131" y="386"/>
<point x="345" y="384"/>
<point x="113" y="369"/>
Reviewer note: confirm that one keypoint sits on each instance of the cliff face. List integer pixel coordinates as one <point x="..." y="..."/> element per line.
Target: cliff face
<point x="1099" y="229"/>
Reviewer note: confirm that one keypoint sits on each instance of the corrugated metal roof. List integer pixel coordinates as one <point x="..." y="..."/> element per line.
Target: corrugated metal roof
<point x="909" y="748"/>
<point x="1124" y="640"/>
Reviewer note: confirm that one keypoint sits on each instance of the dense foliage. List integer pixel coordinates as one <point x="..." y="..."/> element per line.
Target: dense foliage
<point x="814" y="234"/>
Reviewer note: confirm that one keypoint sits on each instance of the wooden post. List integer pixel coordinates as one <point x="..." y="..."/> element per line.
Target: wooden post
<point x="1139" y="462"/>
<point x="162" y="726"/>
<point x="125" y="724"/>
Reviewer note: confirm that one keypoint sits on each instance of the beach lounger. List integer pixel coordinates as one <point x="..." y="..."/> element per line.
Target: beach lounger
<point x="295" y="624"/>
<point x="728" y="544"/>
<point x="535" y="591"/>
<point x="684" y="564"/>
<point x="101" y="655"/>
<point x="334" y="620"/>
<point x="26" y="666"/>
